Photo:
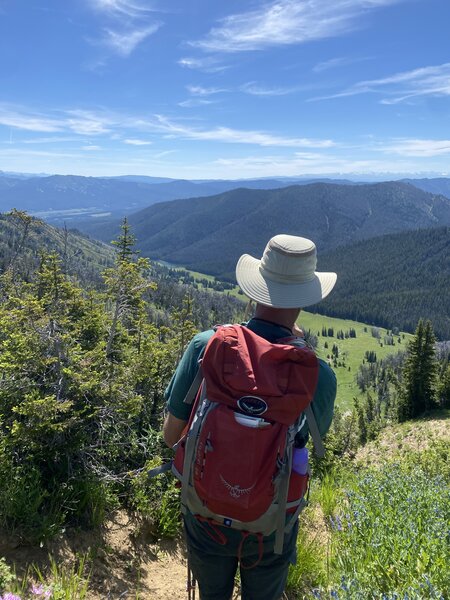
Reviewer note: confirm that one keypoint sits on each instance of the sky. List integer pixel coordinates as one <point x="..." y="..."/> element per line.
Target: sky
<point x="202" y="89"/>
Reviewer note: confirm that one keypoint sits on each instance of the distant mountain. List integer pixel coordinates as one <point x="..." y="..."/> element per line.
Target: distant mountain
<point x="82" y="257"/>
<point x="69" y="199"/>
<point x="16" y="175"/>
<point x="209" y="234"/>
<point x="437" y="185"/>
<point x="393" y="280"/>
<point x="51" y="195"/>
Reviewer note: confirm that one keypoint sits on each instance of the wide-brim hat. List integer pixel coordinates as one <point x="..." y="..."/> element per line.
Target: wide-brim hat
<point x="286" y="276"/>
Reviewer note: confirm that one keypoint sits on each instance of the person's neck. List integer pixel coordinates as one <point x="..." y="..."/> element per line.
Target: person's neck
<point x="286" y="317"/>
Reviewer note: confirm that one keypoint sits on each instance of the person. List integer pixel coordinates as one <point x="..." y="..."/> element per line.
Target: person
<point x="282" y="282"/>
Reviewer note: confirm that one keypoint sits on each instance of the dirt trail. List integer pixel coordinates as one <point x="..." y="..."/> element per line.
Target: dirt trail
<point x="126" y="562"/>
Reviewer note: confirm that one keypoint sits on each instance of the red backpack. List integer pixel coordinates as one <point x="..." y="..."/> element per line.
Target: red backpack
<point x="235" y="459"/>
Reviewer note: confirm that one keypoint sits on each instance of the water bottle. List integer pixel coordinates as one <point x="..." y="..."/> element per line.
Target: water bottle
<point x="300" y="460"/>
<point x="298" y="482"/>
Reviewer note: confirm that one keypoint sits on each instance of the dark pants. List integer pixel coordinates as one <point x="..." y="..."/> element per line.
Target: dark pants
<point x="215" y="565"/>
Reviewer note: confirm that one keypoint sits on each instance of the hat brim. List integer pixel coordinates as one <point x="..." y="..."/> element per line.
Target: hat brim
<point x="281" y="295"/>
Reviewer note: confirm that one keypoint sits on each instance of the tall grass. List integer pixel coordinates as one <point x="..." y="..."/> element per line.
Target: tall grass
<point x="60" y="583"/>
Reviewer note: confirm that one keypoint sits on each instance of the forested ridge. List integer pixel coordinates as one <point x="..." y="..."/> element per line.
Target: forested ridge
<point x="209" y="234"/>
<point x="24" y="238"/>
<point x="393" y="280"/>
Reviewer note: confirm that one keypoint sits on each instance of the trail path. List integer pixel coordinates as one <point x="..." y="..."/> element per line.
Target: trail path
<point x="125" y="560"/>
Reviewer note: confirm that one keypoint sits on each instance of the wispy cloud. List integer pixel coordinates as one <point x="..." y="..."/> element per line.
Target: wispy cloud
<point x="136" y="142"/>
<point x="87" y="123"/>
<point x="200" y="96"/>
<point x="254" y="89"/>
<point x="235" y="136"/>
<point x="401" y="87"/>
<point x="51" y="140"/>
<point x="77" y="121"/>
<point x="194" y="102"/>
<point x="91" y="148"/>
<point x="121" y="8"/>
<point x="334" y="63"/>
<point x="309" y="164"/>
<point x="91" y="123"/>
<point x="198" y="90"/>
<point x="417" y="147"/>
<point x="29" y="121"/>
<point x="283" y="22"/>
<point x="164" y="153"/>
<point x="129" y="24"/>
<point x="207" y="64"/>
<point x="125" y="41"/>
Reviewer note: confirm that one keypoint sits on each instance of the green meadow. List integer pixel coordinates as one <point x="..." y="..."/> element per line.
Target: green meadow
<point x="351" y="350"/>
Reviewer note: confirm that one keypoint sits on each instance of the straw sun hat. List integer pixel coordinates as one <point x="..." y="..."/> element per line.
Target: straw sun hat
<point x="286" y="276"/>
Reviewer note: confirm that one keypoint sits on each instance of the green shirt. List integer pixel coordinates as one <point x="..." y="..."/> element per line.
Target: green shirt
<point x="324" y="397"/>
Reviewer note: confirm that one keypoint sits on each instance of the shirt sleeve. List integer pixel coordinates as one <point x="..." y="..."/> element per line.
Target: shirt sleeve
<point x="184" y="376"/>
<point x="324" y="398"/>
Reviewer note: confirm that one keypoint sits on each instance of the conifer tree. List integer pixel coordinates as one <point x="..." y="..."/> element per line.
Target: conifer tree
<point x="419" y="374"/>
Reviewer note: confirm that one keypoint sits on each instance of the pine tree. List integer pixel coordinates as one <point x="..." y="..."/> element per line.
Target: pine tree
<point x="444" y="386"/>
<point x="419" y="374"/>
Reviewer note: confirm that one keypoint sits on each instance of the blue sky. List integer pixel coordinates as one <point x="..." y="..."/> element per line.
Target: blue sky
<point x="206" y="89"/>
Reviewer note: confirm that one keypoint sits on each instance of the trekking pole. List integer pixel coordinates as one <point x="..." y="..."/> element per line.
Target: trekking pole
<point x="191" y="583"/>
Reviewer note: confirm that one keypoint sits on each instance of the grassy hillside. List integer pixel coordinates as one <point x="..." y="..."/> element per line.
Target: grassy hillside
<point x="376" y="527"/>
<point x="400" y="440"/>
<point x="351" y="350"/>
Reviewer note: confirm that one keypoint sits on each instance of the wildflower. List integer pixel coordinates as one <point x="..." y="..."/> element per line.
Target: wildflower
<point x="37" y="590"/>
<point x="344" y="585"/>
<point x="10" y="596"/>
<point x="40" y="590"/>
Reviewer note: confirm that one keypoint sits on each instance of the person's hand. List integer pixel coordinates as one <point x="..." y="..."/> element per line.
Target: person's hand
<point x="297" y="331"/>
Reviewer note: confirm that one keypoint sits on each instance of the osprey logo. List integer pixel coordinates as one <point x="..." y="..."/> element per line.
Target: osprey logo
<point x="235" y="490"/>
<point x="252" y="405"/>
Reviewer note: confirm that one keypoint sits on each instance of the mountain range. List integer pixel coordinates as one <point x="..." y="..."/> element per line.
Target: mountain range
<point x="209" y="234"/>
<point x="72" y="199"/>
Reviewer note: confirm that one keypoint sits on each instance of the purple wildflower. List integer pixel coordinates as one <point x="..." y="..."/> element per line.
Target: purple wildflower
<point x="40" y="590"/>
<point x="37" y="590"/>
<point x="10" y="596"/>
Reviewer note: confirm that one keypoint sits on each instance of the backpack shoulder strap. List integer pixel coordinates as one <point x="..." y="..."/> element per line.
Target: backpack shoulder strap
<point x="309" y="413"/>
<point x="195" y="385"/>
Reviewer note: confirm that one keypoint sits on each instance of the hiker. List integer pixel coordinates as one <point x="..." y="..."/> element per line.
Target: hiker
<point x="281" y="283"/>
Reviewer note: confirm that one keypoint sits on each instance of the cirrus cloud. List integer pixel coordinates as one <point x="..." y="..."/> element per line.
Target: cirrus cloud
<point x="283" y="22"/>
